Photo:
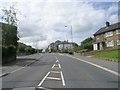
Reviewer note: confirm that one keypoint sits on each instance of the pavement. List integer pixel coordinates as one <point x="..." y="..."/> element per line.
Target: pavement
<point x="22" y="61"/>
<point x="59" y="71"/>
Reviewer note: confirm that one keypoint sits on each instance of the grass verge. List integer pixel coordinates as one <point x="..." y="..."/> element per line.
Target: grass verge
<point x="109" y="55"/>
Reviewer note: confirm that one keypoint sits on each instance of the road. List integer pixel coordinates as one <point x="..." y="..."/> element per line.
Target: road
<point x="63" y="71"/>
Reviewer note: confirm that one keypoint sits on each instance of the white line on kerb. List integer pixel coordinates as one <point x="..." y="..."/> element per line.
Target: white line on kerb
<point x="63" y="81"/>
<point x="17" y="69"/>
<point x="98" y="66"/>
<point x="43" y="79"/>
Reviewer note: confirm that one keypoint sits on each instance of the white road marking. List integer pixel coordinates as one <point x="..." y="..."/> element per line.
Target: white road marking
<point x="59" y="65"/>
<point x="54" y="71"/>
<point x="57" y="61"/>
<point x="17" y="69"/>
<point x="43" y="79"/>
<point x="63" y="81"/>
<point x="54" y="78"/>
<point x="42" y="88"/>
<point x="98" y="66"/>
<point x="53" y="66"/>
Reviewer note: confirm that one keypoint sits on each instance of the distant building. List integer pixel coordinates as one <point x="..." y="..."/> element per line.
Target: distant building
<point x="60" y="46"/>
<point x="65" y="46"/>
<point x="51" y="47"/>
<point x="108" y="36"/>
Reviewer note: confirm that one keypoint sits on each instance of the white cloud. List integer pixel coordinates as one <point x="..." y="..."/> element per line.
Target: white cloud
<point x="113" y="19"/>
<point x="48" y="19"/>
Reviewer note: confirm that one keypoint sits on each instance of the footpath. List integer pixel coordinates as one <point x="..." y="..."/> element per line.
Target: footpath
<point x="21" y="62"/>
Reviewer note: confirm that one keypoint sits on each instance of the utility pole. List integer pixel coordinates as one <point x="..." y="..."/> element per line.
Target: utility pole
<point x="71" y="35"/>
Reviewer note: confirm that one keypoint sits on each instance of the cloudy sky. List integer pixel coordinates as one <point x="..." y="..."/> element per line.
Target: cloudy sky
<point x="44" y="21"/>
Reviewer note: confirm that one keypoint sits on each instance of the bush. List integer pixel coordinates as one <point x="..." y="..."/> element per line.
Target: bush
<point x="8" y="51"/>
<point x="4" y="51"/>
<point x="11" y="50"/>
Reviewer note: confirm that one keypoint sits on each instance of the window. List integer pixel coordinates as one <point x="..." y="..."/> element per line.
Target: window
<point x="108" y="34"/>
<point x="118" y="31"/>
<point x="118" y="42"/>
<point x="110" y="43"/>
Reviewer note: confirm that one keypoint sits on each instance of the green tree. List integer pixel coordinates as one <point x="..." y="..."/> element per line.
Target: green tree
<point x="75" y="47"/>
<point x="87" y="44"/>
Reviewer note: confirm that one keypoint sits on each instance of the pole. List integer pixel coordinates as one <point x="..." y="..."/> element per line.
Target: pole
<point x="71" y="37"/>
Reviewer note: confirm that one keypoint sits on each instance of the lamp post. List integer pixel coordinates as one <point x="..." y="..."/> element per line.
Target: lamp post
<point x="37" y="45"/>
<point x="71" y="34"/>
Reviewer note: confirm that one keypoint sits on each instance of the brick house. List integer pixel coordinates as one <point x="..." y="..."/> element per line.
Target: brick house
<point x="108" y="36"/>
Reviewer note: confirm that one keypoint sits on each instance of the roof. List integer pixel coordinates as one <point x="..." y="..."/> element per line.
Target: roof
<point x="65" y="43"/>
<point x="109" y="28"/>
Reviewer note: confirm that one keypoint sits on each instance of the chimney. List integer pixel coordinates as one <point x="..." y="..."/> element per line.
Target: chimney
<point x="107" y="24"/>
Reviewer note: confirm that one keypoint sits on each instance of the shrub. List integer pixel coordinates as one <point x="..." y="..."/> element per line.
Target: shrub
<point x="11" y="50"/>
<point x="8" y="51"/>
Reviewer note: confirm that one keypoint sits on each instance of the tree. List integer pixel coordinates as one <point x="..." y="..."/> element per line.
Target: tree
<point x="75" y="47"/>
<point x="10" y="15"/>
<point x="87" y="44"/>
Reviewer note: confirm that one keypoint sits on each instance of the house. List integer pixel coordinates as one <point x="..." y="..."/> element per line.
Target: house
<point x="108" y="36"/>
<point x="59" y="46"/>
<point x="51" y="47"/>
<point x="65" y="46"/>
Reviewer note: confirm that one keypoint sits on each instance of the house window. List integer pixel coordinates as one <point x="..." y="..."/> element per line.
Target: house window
<point x="118" y="31"/>
<point x="110" y="43"/>
<point x="118" y="42"/>
<point x="108" y="34"/>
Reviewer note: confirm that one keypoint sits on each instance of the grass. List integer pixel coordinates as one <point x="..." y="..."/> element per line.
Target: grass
<point x="108" y="49"/>
<point x="113" y="55"/>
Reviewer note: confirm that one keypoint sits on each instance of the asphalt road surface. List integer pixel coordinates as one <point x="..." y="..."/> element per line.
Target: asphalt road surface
<point x="62" y="71"/>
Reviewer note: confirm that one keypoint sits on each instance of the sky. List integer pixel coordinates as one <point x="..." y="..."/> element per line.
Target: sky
<point x="44" y="21"/>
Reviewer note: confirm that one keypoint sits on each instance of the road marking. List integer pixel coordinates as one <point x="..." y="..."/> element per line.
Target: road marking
<point x="59" y="65"/>
<point x="63" y="81"/>
<point x="57" y="61"/>
<point x="54" y="71"/>
<point x="17" y="69"/>
<point x="43" y="79"/>
<point x="98" y="66"/>
<point x="53" y="66"/>
<point x="54" y="78"/>
<point x="42" y="88"/>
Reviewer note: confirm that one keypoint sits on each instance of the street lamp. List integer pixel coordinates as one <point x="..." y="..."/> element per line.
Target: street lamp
<point x="37" y="45"/>
<point x="71" y="33"/>
<point x="71" y="36"/>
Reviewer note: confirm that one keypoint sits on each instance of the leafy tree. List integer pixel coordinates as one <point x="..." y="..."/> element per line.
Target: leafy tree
<point x="87" y="44"/>
<point x="75" y="47"/>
